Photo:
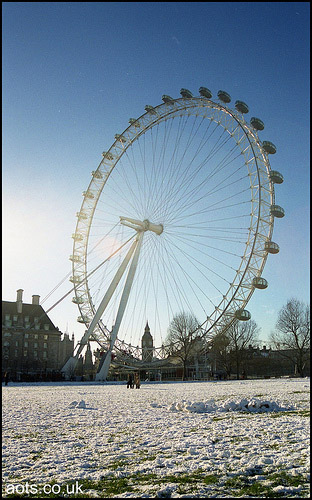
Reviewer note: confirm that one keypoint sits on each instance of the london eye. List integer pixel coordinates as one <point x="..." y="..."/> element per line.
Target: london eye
<point x="178" y="216"/>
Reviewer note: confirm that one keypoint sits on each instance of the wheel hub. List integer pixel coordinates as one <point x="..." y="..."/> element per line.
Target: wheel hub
<point x="144" y="225"/>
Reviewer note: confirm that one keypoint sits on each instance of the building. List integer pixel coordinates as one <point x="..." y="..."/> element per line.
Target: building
<point x="86" y="369"/>
<point x="147" y="344"/>
<point x="32" y="346"/>
<point x="274" y="363"/>
<point x="66" y="348"/>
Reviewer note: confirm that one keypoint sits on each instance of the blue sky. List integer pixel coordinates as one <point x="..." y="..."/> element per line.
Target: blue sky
<point x="74" y="73"/>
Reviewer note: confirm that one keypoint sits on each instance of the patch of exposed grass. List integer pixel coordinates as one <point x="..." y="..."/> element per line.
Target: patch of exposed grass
<point x="113" y="486"/>
<point x="242" y="486"/>
<point x="301" y="413"/>
<point x="182" y="478"/>
<point x="29" y="435"/>
<point x="257" y="490"/>
<point x="148" y="458"/>
<point x="236" y="482"/>
<point x="304" y="413"/>
<point x="238" y="439"/>
<point x="210" y="479"/>
<point x="284" y="479"/>
<point x="118" y="463"/>
<point x="188" y="483"/>
<point x="143" y="478"/>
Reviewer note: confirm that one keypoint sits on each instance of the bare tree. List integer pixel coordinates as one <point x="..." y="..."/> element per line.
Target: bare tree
<point x="292" y="335"/>
<point x="240" y="335"/>
<point x="184" y="338"/>
<point x="220" y="353"/>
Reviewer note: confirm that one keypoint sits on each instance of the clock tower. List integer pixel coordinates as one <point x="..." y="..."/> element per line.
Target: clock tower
<point x="147" y="344"/>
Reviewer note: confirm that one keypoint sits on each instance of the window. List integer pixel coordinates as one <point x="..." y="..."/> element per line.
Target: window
<point x="35" y="345"/>
<point x="44" y="354"/>
<point x="6" y="317"/>
<point x="16" y="353"/>
<point x="45" y="345"/>
<point x="46" y="327"/>
<point x="26" y="344"/>
<point x="26" y="319"/>
<point x="25" y="353"/>
<point x="35" y="354"/>
<point x="7" y="334"/>
<point x="36" y="335"/>
<point x="46" y="337"/>
<point x="37" y="326"/>
<point x="26" y="335"/>
<point x="16" y="343"/>
<point x="36" y="319"/>
<point x="15" y="317"/>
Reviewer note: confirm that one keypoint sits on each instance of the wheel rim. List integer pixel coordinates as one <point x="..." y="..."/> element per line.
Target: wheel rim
<point x="179" y="165"/>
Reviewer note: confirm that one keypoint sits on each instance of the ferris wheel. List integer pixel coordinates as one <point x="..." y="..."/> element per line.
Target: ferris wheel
<point x="178" y="216"/>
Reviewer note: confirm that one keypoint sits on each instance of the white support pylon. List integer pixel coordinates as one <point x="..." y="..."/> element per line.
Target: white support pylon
<point x="71" y="364"/>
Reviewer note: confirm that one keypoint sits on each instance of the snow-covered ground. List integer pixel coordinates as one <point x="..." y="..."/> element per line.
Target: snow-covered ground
<point x="198" y="439"/>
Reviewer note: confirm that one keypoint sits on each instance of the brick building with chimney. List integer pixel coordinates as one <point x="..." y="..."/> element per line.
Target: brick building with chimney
<point x="33" y="348"/>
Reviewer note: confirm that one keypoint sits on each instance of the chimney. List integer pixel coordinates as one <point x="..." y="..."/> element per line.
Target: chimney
<point x="35" y="300"/>
<point x="19" y="301"/>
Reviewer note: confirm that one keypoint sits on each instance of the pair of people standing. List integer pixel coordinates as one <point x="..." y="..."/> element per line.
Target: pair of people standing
<point x="133" y="380"/>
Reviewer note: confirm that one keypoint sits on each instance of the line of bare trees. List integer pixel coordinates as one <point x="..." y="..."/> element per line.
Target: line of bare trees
<point x="291" y="339"/>
<point x="231" y="347"/>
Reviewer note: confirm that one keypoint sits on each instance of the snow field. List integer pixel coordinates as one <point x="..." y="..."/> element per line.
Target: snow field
<point x="214" y="437"/>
